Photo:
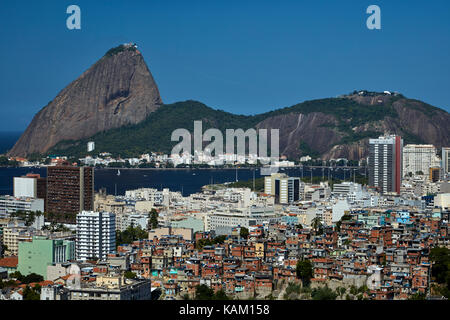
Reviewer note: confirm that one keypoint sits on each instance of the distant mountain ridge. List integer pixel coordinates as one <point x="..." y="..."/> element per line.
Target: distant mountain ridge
<point x="326" y="128"/>
<point x="116" y="104"/>
<point x="117" y="90"/>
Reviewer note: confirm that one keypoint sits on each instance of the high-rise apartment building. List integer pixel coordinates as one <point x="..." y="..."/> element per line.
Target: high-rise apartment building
<point x="285" y="189"/>
<point x="70" y="189"/>
<point x="385" y="163"/>
<point x="419" y="158"/>
<point x="446" y="160"/>
<point x="96" y="234"/>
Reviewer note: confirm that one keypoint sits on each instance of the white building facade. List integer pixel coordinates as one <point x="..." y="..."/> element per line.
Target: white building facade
<point x="419" y="158"/>
<point x="96" y="234"/>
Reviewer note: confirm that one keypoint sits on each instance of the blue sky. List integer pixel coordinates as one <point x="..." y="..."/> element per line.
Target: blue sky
<point x="241" y="56"/>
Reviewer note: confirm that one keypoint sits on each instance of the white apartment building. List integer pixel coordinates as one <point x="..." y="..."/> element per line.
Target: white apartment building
<point x="419" y="157"/>
<point x="9" y="204"/>
<point x="123" y="221"/>
<point x="96" y="234"/>
<point x="446" y="160"/>
<point x="229" y="218"/>
<point x="345" y="188"/>
<point x="148" y="194"/>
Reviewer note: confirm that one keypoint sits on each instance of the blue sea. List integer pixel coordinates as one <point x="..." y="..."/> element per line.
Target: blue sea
<point x="187" y="181"/>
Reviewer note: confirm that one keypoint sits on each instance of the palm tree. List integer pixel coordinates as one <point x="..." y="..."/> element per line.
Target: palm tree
<point x="316" y="223"/>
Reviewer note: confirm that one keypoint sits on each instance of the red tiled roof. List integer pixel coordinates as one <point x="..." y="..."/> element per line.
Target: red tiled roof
<point x="9" y="262"/>
<point x="42" y="284"/>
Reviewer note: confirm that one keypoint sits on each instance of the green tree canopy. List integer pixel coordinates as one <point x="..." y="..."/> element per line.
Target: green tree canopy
<point x="304" y="270"/>
<point x="243" y="232"/>
<point x="130" y="234"/>
<point x="203" y="292"/>
<point x="130" y="275"/>
<point x="323" y="293"/>
<point x="153" y="215"/>
<point x="440" y="256"/>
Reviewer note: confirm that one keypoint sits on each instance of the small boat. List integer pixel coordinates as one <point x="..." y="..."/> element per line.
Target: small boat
<point x="118" y="172"/>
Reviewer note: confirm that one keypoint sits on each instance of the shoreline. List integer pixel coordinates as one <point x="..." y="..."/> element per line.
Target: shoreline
<point x="210" y="168"/>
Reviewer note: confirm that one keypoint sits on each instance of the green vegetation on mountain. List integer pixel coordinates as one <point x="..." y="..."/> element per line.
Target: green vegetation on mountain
<point x="348" y="112"/>
<point x="342" y="121"/>
<point x="306" y="149"/>
<point x="113" y="51"/>
<point x="154" y="133"/>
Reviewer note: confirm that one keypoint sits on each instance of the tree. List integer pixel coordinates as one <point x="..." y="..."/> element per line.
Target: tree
<point x="323" y="293"/>
<point x="30" y="294"/>
<point x="343" y="218"/>
<point x="32" y="277"/>
<point x="186" y="297"/>
<point x="153" y="215"/>
<point x="220" y="295"/>
<point x="292" y="291"/>
<point x="243" y="232"/>
<point x="304" y="270"/>
<point x="3" y="248"/>
<point x="130" y="234"/>
<point x="130" y="275"/>
<point x="203" y="292"/>
<point x="316" y="223"/>
<point x="417" y="296"/>
<point x="440" y="256"/>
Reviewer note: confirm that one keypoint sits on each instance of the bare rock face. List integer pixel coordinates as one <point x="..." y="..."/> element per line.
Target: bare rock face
<point x="295" y="128"/>
<point x="321" y="132"/>
<point x="117" y="90"/>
